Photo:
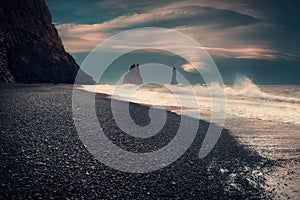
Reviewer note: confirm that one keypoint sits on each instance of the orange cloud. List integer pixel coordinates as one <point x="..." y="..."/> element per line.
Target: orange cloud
<point x="188" y="67"/>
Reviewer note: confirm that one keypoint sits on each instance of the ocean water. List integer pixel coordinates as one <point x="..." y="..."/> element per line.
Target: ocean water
<point x="265" y="118"/>
<point x="278" y="103"/>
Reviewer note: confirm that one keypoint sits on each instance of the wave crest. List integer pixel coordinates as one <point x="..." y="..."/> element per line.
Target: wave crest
<point x="246" y="88"/>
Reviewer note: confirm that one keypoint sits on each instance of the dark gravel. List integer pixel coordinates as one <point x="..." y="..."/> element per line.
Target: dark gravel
<point x="43" y="158"/>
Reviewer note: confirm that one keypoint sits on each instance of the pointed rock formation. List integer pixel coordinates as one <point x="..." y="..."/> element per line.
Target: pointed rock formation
<point x="133" y="76"/>
<point x="30" y="48"/>
<point x="174" y="80"/>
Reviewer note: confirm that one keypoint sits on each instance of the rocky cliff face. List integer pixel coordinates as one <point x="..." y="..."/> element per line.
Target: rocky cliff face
<point x="30" y="48"/>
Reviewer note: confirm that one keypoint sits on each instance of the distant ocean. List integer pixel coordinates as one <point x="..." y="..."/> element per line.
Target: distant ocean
<point x="265" y="118"/>
<point x="278" y="103"/>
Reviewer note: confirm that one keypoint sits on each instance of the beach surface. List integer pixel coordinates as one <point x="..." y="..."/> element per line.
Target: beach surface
<point x="42" y="155"/>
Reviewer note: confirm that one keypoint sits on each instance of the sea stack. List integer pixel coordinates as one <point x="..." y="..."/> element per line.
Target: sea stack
<point x="174" y="80"/>
<point x="31" y="50"/>
<point x="133" y="76"/>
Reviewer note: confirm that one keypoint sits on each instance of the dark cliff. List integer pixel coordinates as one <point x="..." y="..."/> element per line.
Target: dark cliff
<point x="174" y="79"/>
<point x="31" y="50"/>
<point x="133" y="76"/>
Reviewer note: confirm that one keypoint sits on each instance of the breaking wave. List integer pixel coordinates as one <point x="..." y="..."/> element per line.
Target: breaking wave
<point x="243" y="99"/>
<point x="246" y="88"/>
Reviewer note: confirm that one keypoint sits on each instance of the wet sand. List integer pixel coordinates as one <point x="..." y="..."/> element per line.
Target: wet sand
<point x="279" y="142"/>
<point x="43" y="157"/>
<point x="276" y="141"/>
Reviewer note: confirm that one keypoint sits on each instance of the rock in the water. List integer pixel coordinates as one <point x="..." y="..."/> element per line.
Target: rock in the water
<point x="133" y="76"/>
<point x="30" y="48"/>
<point x="174" y="80"/>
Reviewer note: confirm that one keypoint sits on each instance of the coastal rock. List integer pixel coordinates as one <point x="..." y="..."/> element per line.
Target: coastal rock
<point x="31" y="50"/>
<point x="174" y="80"/>
<point x="133" y="76"/>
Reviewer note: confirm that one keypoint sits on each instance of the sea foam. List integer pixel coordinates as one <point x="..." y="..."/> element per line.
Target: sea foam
<point x="243" y="99"/>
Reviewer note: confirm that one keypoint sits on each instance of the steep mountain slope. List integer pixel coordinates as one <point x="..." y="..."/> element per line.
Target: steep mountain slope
<point x="31" y="50"/>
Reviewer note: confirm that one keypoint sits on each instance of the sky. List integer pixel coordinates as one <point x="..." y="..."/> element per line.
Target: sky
<point x="258" y="39"/>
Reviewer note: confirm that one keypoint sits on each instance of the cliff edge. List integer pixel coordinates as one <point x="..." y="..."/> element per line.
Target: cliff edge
<point x="31" y="50"/>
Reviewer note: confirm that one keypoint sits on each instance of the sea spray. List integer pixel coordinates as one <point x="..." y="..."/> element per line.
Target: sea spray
<point x="246" y="88"/>
<point x="243" y="99"/>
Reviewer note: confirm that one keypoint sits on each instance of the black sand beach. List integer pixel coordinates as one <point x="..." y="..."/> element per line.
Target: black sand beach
<point x="43" y="157"/>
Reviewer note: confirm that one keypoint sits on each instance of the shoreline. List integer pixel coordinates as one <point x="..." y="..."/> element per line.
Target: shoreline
<point x="41" y="147"/>
<point x="284" y="149"/>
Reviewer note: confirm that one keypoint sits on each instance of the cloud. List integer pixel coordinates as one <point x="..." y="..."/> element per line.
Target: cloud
<point x="246" y="52"/>
<point x="216" y="25"/>
<point x="170" y="16"/>
<point x="216" y="43"/>
<point x="188" y="67"/>
<point x="146" y="5"/>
